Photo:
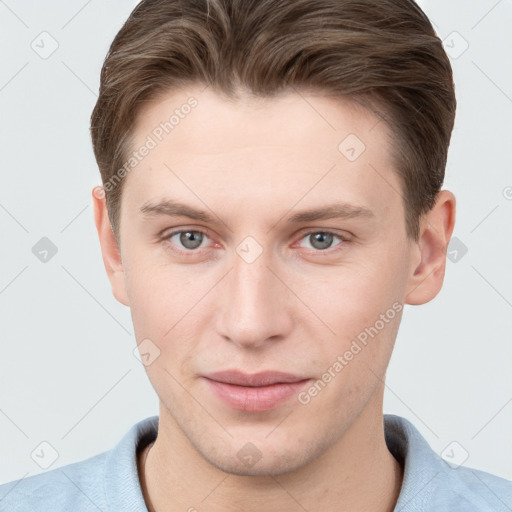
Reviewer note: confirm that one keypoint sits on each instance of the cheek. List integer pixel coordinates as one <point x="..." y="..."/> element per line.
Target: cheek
<point x="353" y="297"/>
<point x="362" y="305"/>
<point x="158" y="292"/>
<point x="167" y="306"/>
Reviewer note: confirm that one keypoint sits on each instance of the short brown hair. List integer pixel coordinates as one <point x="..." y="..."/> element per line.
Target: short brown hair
<point x="384" y="54"/>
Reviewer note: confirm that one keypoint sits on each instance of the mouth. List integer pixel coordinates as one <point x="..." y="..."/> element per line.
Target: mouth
<point x="254" y="392"/>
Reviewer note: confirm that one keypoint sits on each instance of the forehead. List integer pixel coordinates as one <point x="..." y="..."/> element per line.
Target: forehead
<point x="287" y="147"/>
<point x="223" y="124"/>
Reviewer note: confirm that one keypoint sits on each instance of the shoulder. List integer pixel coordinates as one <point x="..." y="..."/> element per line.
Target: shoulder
<point x="473" y="490"/>
<point x="77" y="486"/>
<point x="105" y="481"/>
<point x="432" y="484"/>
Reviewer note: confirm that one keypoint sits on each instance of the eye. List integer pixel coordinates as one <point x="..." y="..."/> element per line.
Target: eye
<point x="322" y="240"/>
<point x="187" y="239"/>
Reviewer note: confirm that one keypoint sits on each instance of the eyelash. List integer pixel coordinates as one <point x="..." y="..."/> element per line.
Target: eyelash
<point x="190" y="252"/>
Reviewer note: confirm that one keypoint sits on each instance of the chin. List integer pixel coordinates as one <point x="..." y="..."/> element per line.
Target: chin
<point x="274" y="467"/>
<point x="244" y="458"/>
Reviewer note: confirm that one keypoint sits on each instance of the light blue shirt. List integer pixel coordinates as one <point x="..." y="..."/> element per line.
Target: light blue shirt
<point x="109" y="481"/>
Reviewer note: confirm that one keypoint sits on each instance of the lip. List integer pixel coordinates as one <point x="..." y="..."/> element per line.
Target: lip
<point x="265" y="378"/>
<point x="257" y="392"/>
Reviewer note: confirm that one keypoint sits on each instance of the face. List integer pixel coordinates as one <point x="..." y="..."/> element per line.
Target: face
<point x="261" y="278"/>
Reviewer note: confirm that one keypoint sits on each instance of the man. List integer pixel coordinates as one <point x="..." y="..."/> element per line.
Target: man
<point x="271" y="199"/>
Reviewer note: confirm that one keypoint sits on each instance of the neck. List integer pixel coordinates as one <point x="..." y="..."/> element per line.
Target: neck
<point x="356" y="473"/>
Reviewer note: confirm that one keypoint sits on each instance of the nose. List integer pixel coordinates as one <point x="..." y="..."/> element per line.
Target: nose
<point x="255" y="304"/>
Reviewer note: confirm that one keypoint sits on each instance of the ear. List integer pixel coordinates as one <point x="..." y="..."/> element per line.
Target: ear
<point x="427" y="272"/>
<point x="109" y="248"/>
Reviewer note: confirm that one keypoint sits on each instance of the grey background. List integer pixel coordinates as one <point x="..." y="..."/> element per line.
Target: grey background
<point x="68" y="376"/>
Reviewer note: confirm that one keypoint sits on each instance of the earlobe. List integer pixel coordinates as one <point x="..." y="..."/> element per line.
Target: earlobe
<point x="436" y="229"/>
<point x="109" y="248"/>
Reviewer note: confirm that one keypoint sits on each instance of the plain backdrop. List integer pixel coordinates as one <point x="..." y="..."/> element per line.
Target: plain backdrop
<point x="68" y="376"/>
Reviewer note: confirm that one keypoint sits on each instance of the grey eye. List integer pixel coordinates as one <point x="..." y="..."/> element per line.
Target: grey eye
<point x="321" y="240"/>
<point x="190" y="239"/>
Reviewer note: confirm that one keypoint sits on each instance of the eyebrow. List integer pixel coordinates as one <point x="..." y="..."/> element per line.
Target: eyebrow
<point x="338" y="210"/>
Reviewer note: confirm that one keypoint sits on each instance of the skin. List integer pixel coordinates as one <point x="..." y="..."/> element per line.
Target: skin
<point x="295" y="308"/>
